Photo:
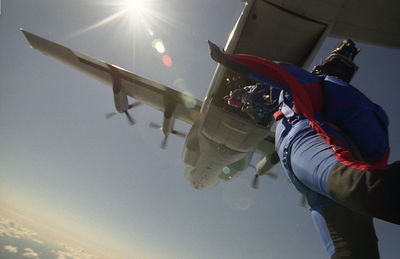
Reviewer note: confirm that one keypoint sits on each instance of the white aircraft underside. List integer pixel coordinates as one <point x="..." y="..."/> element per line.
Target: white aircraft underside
<point x="222" y="139"/>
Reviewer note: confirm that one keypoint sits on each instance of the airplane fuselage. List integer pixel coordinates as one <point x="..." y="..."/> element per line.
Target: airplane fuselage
<point x="221" y="143"/>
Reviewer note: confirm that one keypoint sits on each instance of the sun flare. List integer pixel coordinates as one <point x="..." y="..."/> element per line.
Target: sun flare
<point x="129" y="10"/>
<point x="135" y="17"/>
<point x="134" y="5"/>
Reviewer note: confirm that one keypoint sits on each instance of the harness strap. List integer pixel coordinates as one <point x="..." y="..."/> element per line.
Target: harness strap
<point x="278" y="115"/>
<point x="284" y="109"/>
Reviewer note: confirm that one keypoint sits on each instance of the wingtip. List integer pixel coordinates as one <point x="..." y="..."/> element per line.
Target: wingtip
<point x="21" y="29"/>
<point x="27" y="36"/>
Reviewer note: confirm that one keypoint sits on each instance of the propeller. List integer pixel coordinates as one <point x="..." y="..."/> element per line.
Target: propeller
<point x="155" y="125"/>
<point x="179" y="133"/>
<point x="303" y="201"/>
<point x="272" y="175"/>
<point x="163" y="144"/>
<point x="254" y="183"/>
<point x="128" y="116"/>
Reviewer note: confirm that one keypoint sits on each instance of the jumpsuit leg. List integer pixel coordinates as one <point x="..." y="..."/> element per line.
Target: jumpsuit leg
<point x="308" y="161"/>
<point x="346" y="234"/>
<point x="353" y="234"/>
<point x="374" y="193"/>
<point x="370" y="192"/>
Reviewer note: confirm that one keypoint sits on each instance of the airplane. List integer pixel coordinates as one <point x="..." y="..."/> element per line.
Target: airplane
<point x="223" y="139"/>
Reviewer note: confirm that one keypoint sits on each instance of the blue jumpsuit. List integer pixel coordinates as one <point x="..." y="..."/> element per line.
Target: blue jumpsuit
<point x="307" y="161"/>
<point x="343" y="195"/>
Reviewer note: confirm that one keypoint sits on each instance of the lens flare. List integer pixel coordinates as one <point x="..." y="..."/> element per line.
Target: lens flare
<point x="158" y="45"/>
<point x="166" y="60"/>
<point x="150" y="31"/>
<point x="187" y="98"/>
<point x="226" y="170"/>
<point x="99" y="24"/>
<point x="189" y="101"/>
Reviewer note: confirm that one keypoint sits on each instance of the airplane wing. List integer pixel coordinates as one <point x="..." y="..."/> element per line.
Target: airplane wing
<point x="160" y="97"/>
<point x="371" y="21"/>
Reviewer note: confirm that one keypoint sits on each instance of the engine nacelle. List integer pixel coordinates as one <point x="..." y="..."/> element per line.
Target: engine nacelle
<point x="120" y="102"/>
<point x="120" y="98"/>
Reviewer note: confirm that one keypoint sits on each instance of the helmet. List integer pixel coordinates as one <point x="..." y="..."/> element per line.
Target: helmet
<point x="235" y="98"/>
<point x="340" y="62"/>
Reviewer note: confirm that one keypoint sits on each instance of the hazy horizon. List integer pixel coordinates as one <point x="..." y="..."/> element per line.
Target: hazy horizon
<point x="106" y="186"/>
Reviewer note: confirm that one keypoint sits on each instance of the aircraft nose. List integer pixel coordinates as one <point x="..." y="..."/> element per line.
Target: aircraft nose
<point x="200" y="179"/>
<point x="190" y="177"/>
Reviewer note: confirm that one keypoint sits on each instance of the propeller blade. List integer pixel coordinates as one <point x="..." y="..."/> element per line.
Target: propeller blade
<point x="272" y="175"/>
<point x="179" y="133"/>
<point x="154" y="125"/>
<point x="164" y="143"/>
<point x="129" y="117"/>
<point x="303" y="201"/>
<point x="254" y="184"/>
<point x="133" y="105"/>
<point x="110" y="114"/>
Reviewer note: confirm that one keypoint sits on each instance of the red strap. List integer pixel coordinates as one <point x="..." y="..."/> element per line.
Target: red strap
<point x="344" y="156"/>
<point x="278" y="115"/>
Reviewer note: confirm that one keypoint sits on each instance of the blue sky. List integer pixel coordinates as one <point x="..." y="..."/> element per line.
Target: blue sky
<point x="107" y="185"/>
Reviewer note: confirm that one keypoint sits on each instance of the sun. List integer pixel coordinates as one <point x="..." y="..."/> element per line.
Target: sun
<point x="134" y="5"/>
<point x="130" y="12"/>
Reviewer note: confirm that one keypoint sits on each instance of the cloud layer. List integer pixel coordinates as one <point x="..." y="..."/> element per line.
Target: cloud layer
<point x="17" y="240"/>
<point x="13" y="229"/>
<point x="10" y="249"/>
<point x="28" y="252"/>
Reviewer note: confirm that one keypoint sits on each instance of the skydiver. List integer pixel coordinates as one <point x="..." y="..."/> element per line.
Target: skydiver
<point x="333" y="144"/>
<point x="255" y="100"/>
